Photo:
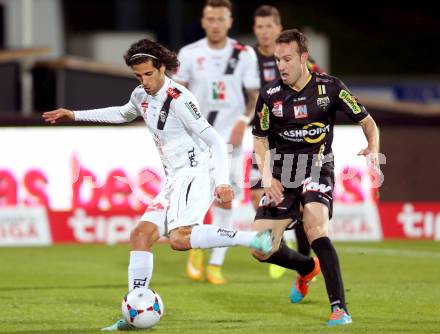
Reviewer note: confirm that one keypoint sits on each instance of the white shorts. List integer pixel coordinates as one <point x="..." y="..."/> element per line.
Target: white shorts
<point x="183" y="201"/>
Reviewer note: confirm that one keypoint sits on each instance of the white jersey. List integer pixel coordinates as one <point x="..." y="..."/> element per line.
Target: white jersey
<point x="173" y="118"/>
<point x="217" y="79"/>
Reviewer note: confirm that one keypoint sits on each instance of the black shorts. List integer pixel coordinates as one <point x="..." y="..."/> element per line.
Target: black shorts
<point x="310" y="191"/>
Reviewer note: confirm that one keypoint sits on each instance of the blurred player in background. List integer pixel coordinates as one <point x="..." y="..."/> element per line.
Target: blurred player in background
<point x="267" y="27"/>
<point x="185" y="142"/>
<point x="293" y="128"/>
<point x="217" y="69"/>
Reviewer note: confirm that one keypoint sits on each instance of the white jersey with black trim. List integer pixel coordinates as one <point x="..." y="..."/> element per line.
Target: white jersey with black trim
<point x="173" y="118"/>
<point x="217" y="79"/>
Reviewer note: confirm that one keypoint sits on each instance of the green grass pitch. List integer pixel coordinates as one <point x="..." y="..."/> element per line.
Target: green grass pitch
<point x="391" y="287"/>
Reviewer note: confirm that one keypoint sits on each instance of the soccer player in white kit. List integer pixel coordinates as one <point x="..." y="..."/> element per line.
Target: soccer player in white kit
<point x="217" y="69"/>
<point x="188" y="147"/>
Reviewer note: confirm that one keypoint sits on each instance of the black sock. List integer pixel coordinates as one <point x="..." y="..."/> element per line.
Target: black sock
<point x="331" y="271"/>
<point x="290" y="259"/>
<point x="301" y="240"/>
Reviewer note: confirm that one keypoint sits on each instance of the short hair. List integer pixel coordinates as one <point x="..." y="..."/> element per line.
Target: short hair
<point x="294" y="35"/>
<point x="219" y="3"/>
<point x="266" y="10"/>
<point x="145" y="49"/>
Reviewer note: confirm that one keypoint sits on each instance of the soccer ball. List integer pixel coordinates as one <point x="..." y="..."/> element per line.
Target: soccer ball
<point x="142" y="308"/>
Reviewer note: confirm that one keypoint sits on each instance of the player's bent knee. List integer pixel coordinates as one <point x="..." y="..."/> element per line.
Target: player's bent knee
<point x="316" y="232"/>
<point x="144" y="235"/>
<point x="180" y="239"/>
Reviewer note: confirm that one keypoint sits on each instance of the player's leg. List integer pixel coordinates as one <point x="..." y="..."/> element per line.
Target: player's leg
<point x="222" y="217"/>
<point x="190" y="199"/>
<point x="287" y="258"/>
<point x="142" y="238"/>
<point x="257" y="191"/>
<point x="279" y="218"/>
<point x="316" y="219"/>
<point x="140" y="269"/>
<point x="302" y="242"/>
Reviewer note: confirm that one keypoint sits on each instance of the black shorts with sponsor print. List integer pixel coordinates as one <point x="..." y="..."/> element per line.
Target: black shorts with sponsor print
<point x="310" y="191"/>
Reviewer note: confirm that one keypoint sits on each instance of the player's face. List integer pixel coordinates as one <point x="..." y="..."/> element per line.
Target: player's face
<point x="151" y="78"/>
<point x="290" y="62"/>
<point x="266" y="30"/>
<point x="216" y="22"/>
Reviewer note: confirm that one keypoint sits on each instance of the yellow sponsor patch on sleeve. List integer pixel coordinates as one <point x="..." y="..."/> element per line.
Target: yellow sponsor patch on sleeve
<point x="264" y="117"/>
<point x="350" y="101"/>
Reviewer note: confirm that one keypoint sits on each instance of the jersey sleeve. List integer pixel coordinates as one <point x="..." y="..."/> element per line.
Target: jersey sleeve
<point x="121" y="114"/>
<point x="261" y="122"/>
<point x="348" y="103"/>
<point x="183" y="73"/>
<point x="251" y="77"/>
<point x="187" y="110"/>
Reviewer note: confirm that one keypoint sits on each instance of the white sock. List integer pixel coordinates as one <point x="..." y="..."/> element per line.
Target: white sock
<point x="222" y="218"/>
<point x="140" y="269"/>
<point x="209" y="236"/>
<point x="218" y="255"/>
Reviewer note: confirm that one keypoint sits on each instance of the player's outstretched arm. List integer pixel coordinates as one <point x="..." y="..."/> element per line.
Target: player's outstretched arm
<point x="372" y="135"/>
<point x="58" y="115"/>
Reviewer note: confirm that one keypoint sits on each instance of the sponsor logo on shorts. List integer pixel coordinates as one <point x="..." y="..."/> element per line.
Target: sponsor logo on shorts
<point x="308" y="185"/>
<point x="155" y="207"/>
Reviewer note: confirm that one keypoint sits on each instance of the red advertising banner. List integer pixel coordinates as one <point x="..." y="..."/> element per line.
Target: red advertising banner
<point x="410" y="220"/>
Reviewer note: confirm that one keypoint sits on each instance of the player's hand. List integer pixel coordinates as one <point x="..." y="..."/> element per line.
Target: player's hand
<point x="58" y="115"/>
<point x="237" y="134"/>
<point x="274" y="191"/>
<point x="224" y="193"/>
<point x="372" y="156"/>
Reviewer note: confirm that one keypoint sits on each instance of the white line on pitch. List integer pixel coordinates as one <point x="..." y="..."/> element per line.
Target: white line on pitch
<point x="387" y="251"/>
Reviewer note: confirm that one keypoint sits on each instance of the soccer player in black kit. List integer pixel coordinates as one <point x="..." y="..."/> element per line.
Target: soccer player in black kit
<point x="267" y="27"/>
<point x="293" y="129"/>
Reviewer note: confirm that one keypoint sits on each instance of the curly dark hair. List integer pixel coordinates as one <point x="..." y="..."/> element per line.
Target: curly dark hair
<point x="139" y="51"/>
<point x="294" y="35"/>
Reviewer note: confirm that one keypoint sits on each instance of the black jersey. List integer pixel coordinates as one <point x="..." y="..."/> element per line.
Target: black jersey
<point x="267" y="67"/>
<point x="301" y="122"/>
